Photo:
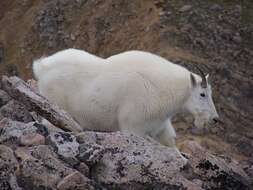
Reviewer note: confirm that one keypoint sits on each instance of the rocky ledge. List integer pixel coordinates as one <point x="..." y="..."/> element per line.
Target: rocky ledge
<point x="42" y="147"/>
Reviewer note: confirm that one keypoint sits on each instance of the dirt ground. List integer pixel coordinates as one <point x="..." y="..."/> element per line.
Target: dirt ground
<point x="216" y="34"/>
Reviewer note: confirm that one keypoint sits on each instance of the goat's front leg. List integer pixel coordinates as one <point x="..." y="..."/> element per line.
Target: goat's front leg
<point x="167" y="137"/>
<point x="165" y="134"/>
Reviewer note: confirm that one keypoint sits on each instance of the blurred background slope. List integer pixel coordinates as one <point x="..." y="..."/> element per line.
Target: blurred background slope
<point x="217" y="34"/>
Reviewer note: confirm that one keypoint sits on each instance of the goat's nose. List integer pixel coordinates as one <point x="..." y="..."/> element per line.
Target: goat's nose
<point x="215" y="120"/>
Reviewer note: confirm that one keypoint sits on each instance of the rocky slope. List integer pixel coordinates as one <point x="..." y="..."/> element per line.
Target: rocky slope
<point x="38" y="152"/>
<point x="217" y="34"/>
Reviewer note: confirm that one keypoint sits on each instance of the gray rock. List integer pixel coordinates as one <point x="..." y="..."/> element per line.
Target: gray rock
<point x="32" y="139"/>
<point x="90" y="152"/>
<point x="215" y="172"/>
<point x="4" y="98"/>
<point x="75" y="181"/>
<point x="33" y="101"/>
<point x="1" y="54"/>
<point x="15" y="111"/>
<point x="185" y="8"/>
<point x="131" y="162"/>
<point x="8" y="166"/>
<point x="237" y="39"/>
<point x="83" y="168"/>
<point x="12" y="131"/>
<point x="65" y="145"/>
<point x="216" y="7"/>
<point x="245" y="145"/>
<point x="40" y="168"/>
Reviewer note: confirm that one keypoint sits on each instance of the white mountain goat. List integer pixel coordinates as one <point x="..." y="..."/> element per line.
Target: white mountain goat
<point x="134" y="92"/>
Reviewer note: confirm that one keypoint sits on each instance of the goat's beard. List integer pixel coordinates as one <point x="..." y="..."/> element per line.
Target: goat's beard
<point x="200" y="122"/>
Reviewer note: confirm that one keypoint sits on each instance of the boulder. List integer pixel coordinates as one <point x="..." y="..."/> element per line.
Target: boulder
<point x="36" y="154"/>
<point x="33" y="101"/>
<point x="8" y="167"/>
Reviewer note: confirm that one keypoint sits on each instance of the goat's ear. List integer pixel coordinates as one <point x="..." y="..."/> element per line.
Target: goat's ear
<point x="193" y="81"/>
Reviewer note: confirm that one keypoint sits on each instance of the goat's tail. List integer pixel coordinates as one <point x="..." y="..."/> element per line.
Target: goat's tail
<point x="39" y="67"/>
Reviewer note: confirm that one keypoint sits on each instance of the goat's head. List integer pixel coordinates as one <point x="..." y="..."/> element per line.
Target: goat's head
<point x="200" y="103"/>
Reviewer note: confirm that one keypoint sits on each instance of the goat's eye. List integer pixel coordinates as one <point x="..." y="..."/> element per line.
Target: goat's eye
<point x="202" y="95"/>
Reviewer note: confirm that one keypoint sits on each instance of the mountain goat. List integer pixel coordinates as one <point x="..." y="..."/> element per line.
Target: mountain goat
<point x="134" y="92"/>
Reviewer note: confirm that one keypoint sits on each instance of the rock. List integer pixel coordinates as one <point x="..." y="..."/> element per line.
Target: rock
<point x="12" y="131"/>
<point x="64" y="143"/>
<point x="247" y="165"/>
<point x="89" y="151"/>
<point x="185" y="8"/>
<point x="41" y="129"/>
<point x="90" y="154"/>
<point x="8" y="167"/>
<point x="250" y="171"/>
<point x="44" y="125"/>
<point x="87" y="137"/>
<point x="15" y="111"/>
<point x="215" y="172"/>
<point x="232" y="138"/>
<point x="245" y="145"/>
<point x="83" y="168"/>
<point x="131" y="162"/>
<point x="12" y="70"/>
<point x="72" y="37"/>
<point x="4" y="98"/>
<point x="40" y="168"/>
<point x="216" y="7"/>
<point x="237" y="39"/>
<point x="1" y="54"/>
<point x="76" y="181"/>
<point x="32" y="139"/>
<point x="33" y="101"/>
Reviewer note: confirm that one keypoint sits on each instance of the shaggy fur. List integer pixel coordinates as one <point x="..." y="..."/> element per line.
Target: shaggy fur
<point x="134" y="92"/>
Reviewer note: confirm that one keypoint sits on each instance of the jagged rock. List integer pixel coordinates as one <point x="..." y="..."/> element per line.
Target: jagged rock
<point x="40" y="168"/>
<point x="131" y="162"/>
<point x="44" y="125"/>
<point x="33" y="101"/>
<point x="4" y="98"/>
<point x="12" y="131"/>
<point x="75" y="181"/>
<point x="65" y="145"/>
<point x="216" y="172"/>
<point x="8" y="167"/>
<point x="245" y="145"/>
<point x="83" y="168"/>
<point x="185" y="8"/>
<point x="32" y="139"/>
<point x="216" y="7"/>
<point x="89" y="151"/>
<point x="15" y="111"/>
<point x="1" y="54"/>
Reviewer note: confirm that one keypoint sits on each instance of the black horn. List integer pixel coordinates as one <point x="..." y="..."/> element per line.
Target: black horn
<point x="204" y="82"/>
